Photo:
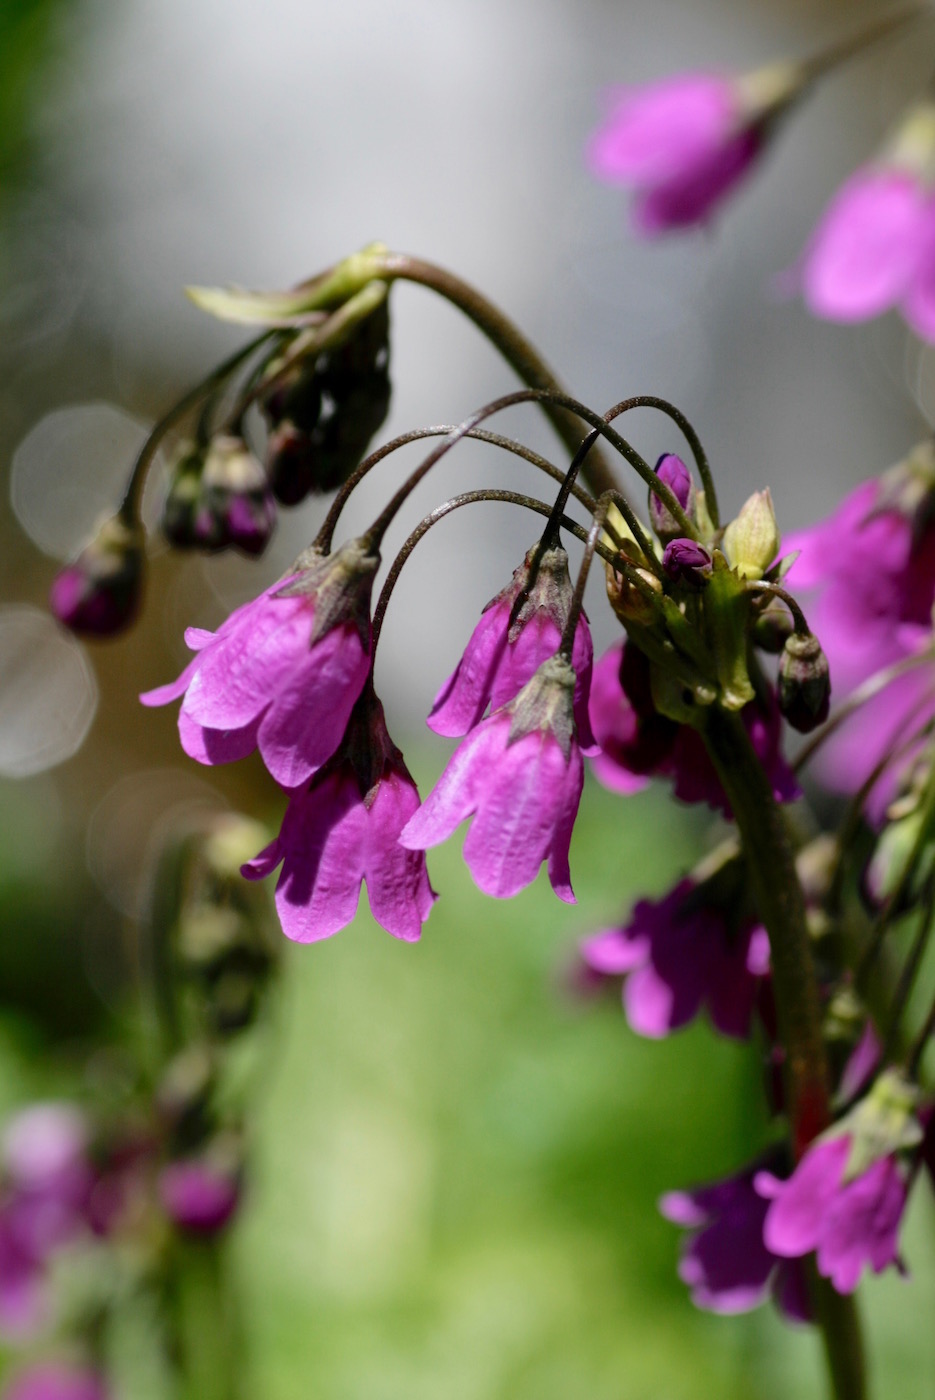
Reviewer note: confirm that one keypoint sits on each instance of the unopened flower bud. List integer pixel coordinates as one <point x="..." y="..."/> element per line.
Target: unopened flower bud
<point x="295" y="397"/>
<point x="752" y="540"/>
<point x="804" y="682"/>
<point x="183" y="498"/>
<point x="630" y="601"/>
<point x="291" y="463"/>
<point x="687" y="562"/>
<point x="200" y="1194"/>
<point x="672" y="471"/>
<point x="236" y="494"/>
<point x="99" y="593"/>
<point x="773" y="628"/>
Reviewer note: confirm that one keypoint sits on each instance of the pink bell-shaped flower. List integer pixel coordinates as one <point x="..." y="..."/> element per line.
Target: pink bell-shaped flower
<point x="283" y="672"/>
<point x="519" y="773"/>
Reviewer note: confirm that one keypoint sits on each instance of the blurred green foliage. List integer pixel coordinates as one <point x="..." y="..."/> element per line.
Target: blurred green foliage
<point x="26" y="33"/>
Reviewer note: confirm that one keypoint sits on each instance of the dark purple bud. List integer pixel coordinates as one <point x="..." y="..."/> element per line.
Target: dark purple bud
<point x="236" y="494"/>
<point x="180" y="511"/>
<point x="99" y="593"/>
<point x="672" y="471"/>
<point x="804" y="683"/>
<point x="295" y="398"/>
<point x="687" y="561"/>
<point x="291" y="457"/>
<point x="199" y="1196"/>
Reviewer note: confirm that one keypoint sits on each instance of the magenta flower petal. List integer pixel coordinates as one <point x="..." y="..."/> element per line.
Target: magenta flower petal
<point x="862" y="1225"/>
<point x="918" y="305"/>
<point x="616" y="951"/>
<point x="306" y="719"/>
<point x="655" y="133"/>
<point x="724" y="1260"/>
<point x="283" y="672"/>
<point x="517" y="631"/>
<point x="519" y="774"/>
<point x="797" y="1214"/>
<point x="343" y="829"/>
<point x="865" y="251"/>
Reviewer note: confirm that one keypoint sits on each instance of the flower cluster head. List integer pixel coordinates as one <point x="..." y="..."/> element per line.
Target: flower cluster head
<point x="683" y="144"/>
<point x="519" y="773"/>
<point x="846" y="1197"/>
<point x="725" y="1261"/>
<point x="695" y="947"/>
<point x="875" y="246"/>
<point x="283" y="672"/>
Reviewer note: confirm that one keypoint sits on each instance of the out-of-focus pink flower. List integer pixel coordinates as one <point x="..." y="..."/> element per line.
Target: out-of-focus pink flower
<point x="198" y="1196"/>
<point x="43" y="1204"/>
<point x="345" y="828"/>
<point x="283" y="672"/>
<point x="519" y="629"/>
<point x="678" y="954"/>
<point x="52" y="1380"/>
<point x="98" y="594"/>
<point x="875" y="246"/>
<point x="636" y="742"/>
<point x="725" y="1261"/>
<point x="684" y="143"/>
<point x="847" y="1221"/>
<point x="871" y="569"/>
<point x="519" y="773"/>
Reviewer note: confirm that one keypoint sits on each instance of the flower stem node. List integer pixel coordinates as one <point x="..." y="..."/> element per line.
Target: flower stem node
<point x="751" y="541"/>
<point x="804" y="682"/>
<point x="99" y="593"/>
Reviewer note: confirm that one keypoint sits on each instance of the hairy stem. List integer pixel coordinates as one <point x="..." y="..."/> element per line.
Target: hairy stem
<point x="781" y="905"/>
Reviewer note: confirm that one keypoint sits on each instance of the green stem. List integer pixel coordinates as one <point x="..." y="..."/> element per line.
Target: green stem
<point x="519" y="353"/>
<point x="781" y="905"/>
<point x="206" y="1324"/>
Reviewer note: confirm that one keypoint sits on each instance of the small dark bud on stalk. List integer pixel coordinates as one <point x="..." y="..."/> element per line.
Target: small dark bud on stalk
<point x="99" y="593"/>
<point x="323" y="415"/>
<point x="804" y="683"/>
<point x="672" y="471"/>
<point x="688" y="562"/>
<point x="236" y="495"/>
<point x="180" y="508"/>
<point x="772" y="629"/>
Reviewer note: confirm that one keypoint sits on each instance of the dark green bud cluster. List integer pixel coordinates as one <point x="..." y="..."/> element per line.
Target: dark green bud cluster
<point x="323" y="413"/>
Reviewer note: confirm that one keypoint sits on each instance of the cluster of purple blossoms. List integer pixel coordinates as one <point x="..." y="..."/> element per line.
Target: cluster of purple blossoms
<point x="289" y="675"/>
